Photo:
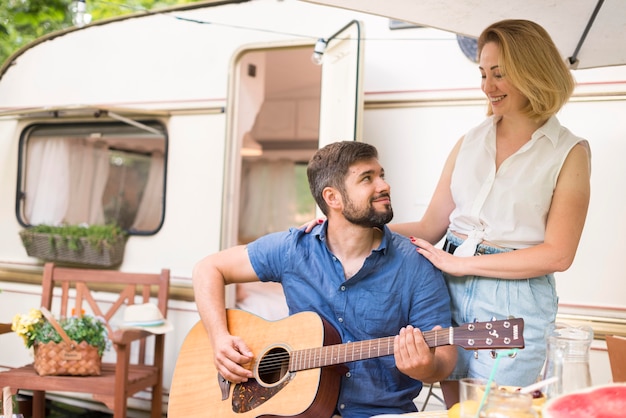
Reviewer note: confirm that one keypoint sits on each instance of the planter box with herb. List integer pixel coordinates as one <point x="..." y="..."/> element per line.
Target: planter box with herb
<point x="94" y="245"/>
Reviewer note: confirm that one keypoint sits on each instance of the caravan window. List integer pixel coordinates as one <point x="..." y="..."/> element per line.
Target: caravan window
<point x="93" y="173"/>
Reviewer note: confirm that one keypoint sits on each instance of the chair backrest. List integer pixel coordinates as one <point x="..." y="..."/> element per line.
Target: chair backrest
<point x="78" y="287"/>
<point x="616" y="347"/>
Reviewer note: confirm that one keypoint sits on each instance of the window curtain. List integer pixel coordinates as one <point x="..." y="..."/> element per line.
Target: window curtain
<point x="47" y="180"/>
<point x="89" y="168"/>
<point x="268" y="198"/>
<point x="65" y="180"/>
<point x="150" y="209"/>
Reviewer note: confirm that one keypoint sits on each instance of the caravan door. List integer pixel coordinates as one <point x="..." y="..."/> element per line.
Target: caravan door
<point x="280" y="119"/>
<point x="341" y="104"/>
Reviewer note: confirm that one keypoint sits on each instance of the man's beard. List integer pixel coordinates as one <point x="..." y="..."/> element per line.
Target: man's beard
<point x="368" y="217"/>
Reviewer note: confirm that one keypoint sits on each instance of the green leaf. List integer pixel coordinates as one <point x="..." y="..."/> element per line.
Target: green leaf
<point x="85" y="328"/>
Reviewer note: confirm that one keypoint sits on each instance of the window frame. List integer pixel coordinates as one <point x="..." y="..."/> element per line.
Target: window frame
<point x="110" y="125"/>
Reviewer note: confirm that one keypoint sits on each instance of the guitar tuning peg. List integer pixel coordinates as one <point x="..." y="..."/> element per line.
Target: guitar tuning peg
<point x="476" y="354"/>
<point x="493" y="318"/>
<point x="513" y="354"/>
<point x="470" y="326"/>
<point x="493" y="354"/>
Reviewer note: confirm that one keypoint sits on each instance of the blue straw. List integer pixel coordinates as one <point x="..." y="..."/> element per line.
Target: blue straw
<point x="491" y="376"/>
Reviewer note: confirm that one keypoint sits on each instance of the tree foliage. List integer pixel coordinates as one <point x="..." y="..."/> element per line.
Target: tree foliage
<point x="23" y="21"/>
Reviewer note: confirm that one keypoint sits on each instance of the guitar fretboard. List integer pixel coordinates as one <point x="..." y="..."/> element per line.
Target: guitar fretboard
<point x="343" y="353"/>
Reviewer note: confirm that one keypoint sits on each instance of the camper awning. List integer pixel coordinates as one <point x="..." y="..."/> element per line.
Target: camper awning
<point x="589" y="33"/>
<point x="125" y="115"/>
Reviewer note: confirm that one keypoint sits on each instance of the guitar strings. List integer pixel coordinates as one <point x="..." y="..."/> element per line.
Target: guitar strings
<point x="332" y="354"/>
<point x="324" y="356"/>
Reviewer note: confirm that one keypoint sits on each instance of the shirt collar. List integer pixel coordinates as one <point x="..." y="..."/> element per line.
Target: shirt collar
<point x="321" y="231"/>
<point x="384" y="243"/>
<point x="550" y="129"/>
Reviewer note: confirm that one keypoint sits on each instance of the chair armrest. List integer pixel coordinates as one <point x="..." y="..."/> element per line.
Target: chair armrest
<point x="127" y="336"/>
<point x="5" y="328"/>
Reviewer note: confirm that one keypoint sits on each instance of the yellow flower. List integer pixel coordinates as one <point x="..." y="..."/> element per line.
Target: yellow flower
<point x="24" y="324"/>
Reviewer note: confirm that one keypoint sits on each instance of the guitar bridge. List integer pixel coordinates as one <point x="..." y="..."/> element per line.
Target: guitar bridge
<point x="224" y="386"/>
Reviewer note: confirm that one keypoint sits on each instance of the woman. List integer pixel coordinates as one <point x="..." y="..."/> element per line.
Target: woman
<point x="515" y="190"/>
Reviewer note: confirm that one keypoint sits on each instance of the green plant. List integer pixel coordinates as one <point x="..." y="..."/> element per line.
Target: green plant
<point x="34" y="328"/>
<point x="98" y="236"/>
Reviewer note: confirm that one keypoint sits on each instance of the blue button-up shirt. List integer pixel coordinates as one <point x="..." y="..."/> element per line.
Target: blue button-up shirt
<point x="396" y="286"/>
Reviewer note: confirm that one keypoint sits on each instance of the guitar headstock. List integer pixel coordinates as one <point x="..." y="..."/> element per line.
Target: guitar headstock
<point x="507" y="333"/>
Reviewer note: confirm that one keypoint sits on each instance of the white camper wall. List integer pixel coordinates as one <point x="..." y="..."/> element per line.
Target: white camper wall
<point x="413" y="144"/>
<point x="596" y="278"/>
<point x="10" y="244"/>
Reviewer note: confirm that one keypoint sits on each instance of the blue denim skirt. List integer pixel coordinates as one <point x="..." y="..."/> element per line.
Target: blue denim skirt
<point x="475" y="298"/>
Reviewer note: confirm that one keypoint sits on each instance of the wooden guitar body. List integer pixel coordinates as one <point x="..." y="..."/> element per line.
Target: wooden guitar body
<point x="311" y="393"/>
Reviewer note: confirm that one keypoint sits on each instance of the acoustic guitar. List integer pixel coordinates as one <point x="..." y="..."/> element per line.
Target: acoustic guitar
<point x="297" y="364"/>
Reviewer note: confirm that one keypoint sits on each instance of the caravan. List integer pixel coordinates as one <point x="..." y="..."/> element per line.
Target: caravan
<point x="190" y="127"/>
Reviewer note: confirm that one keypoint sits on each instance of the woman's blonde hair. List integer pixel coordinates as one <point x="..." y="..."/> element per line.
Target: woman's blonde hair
<point x="531" y="62"/>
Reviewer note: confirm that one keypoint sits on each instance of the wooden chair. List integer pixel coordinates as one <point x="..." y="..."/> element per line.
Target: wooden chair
<point x="616" y="347"/>
<point x="129" y="374"/>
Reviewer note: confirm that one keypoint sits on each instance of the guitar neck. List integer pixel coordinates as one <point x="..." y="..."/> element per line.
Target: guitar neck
<point x="331" y="355"/>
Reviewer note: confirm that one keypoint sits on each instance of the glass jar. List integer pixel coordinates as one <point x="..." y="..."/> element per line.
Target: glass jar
<point x="568" y="358"/>
<point x="505" y="404"/>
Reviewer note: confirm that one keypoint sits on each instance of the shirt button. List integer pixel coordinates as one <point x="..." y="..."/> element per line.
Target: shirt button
<point x="348" y="374"/>
<point x="343" y="288"/>
<point x="342" y="406"/>
<point x="340" y="319"/>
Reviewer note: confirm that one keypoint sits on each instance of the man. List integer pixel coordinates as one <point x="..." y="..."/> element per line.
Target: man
<point x="355" y="273"/>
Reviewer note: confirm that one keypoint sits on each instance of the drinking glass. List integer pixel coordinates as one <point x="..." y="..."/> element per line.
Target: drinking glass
<point x="505" y="404"/>
<point x="471" y="393"/>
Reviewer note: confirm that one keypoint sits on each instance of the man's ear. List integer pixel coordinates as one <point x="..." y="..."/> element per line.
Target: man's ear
<point x="332" y="197"/>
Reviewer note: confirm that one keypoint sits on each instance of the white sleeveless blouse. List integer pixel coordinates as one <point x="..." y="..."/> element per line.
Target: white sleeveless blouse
<point x="509" y="207"/>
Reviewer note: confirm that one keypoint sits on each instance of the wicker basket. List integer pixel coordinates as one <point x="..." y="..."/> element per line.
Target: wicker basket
<point x="52" y="247"/>
<point x="67" y="358"/>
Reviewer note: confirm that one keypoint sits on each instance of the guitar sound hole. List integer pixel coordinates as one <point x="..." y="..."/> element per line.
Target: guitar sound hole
<point x="274" y="365"/>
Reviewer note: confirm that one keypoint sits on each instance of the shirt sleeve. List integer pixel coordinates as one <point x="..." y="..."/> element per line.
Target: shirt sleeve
<point x="268" y="255"/>
<point x="431" y="304"/>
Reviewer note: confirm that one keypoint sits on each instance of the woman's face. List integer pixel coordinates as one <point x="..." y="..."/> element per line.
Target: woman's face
<point x="505" y="99"/>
